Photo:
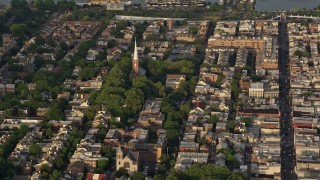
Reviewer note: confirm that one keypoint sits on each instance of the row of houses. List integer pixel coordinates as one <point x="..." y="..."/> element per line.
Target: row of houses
<point x="254" y="138"/>
<point x="304" y="92"/>
<point x="50" y="148"/>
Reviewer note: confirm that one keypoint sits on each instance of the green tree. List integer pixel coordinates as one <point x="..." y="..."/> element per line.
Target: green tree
<point x="298" y="53"/>
<point x="40" y="40"/>
<point x="18" y="29"/>
<point x="15" y="67"/>
<point x="193" y="30"/>
<point x="159" y="90"/>
<point x="121" y="25"/>
<point x="35" y="149"/>
<point x="63" y="5"/>
<point x="56" y="111"/>
<point x="49" y="133"/>
<point x="231" y="161"/>
<point x="305" y="54"/>
<point x="58" y="163"/>
<point x="235" y="176"/>
<point x="198" y="171"/>
<point x="164" y="159"/>
<point x="142" y="83"/>
<point x="231" y="125"/>
<point x="256" y="78"/>
<point x="101" y="134"/>
<point x="235" y="89"/>
<point x="4" y="165"/>
<point x="86" y="18"/>
<point x="121" y="172"/>
<point x="102" y="164"/>
<point x="247" y="121"/>
<point x="172" y="133"/>
<point x="134" y="99"/>
<point x="201" y="140"/>
<point x="213" y="119"/>
<point x="64" y="46"/>
<point x="112" y="43"/>
<point x="19" y="4"/>
<point x="171" y="124"/>
<point x="45" y="168"/>
<point x="55" y="175"/>
<point x="158" y="177"/>
<point x="42" y="85"/>
<point x="107" y="151"/>
<point x="86" y="73"/>
<point x="137" y="176"/>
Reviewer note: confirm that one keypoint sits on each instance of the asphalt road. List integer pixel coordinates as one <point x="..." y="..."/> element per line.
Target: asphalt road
<point x="286" y="126"/>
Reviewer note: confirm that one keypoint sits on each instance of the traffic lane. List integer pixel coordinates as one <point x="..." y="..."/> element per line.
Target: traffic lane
<point x="285" y="125"/>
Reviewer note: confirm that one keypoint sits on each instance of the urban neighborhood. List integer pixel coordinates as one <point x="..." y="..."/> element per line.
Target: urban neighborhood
<point x="174" y="90"/>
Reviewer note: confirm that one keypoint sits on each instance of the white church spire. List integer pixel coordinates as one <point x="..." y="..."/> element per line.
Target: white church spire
<point x="135" y="54"/>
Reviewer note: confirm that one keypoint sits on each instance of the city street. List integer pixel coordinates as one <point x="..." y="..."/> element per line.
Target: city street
<point x="286" y="127"/>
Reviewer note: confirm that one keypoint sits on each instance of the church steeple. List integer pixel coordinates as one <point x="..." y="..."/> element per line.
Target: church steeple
<point x="135" y="54"/>
<point x="135" y="60"/>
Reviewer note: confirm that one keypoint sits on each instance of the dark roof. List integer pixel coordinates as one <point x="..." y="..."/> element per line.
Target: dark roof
<point x="76" y="165"/>
<point x="302" y="114"/>
<point x="133" y="156"/>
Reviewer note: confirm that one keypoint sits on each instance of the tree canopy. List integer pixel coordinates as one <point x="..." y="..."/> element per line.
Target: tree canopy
<point x="137" y="176"/>
<point x="198" y="171"/>
<point x="18" y="29"/>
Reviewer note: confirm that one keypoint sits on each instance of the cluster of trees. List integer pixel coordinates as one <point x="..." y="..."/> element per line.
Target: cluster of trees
<point x="235" y="91"/>
<point x="18" y="29"/>
<point x="38" y="48"/>
<point x="186" y="13"/>
<point x="8" y="101"/>
<point x="108" y="152"/>
<point x="219" y="81"/>
<point x="231" y="161"/>
<point x="51" y="81"/>
<point x="85" y="14"/>
<point x="235" y="87"/>
<point x="189" y="13"/>
<point x="193" y="30"/>
<point x="301" y="54"/>
<point x="167" y="161"/>
<point x="56" y="110"/>
<point x="25" y="21"/>
<point x="35" y="149"/>
<point x="86" y="73"/>
<point x="101" y="134"/>
<point x="50" y="5"/>
<point x="248" y="121"/>
<point x="117" y="83"/>
<point x="176" y="106"/>
<point x="248" y="6"/>
<point x="7" y="169"/>
<point x="123" y="94"/>
<point x="198" y="171"/>
<point x="157" y="70"/>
